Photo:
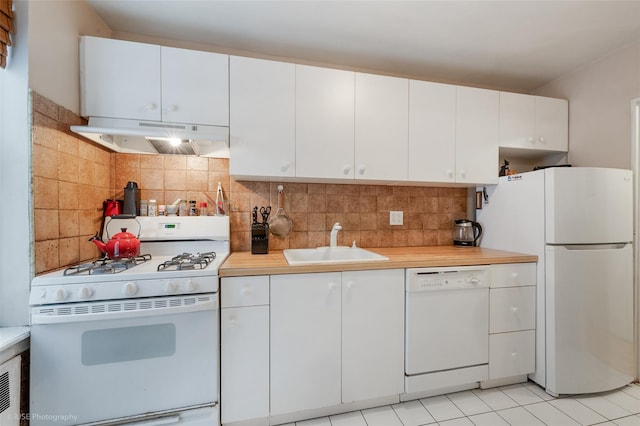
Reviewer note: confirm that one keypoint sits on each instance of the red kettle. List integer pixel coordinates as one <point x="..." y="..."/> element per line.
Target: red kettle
<point x="122" y="245"/>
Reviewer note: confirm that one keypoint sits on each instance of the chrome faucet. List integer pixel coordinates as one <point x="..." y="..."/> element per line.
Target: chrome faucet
<point x="333" y="241"/>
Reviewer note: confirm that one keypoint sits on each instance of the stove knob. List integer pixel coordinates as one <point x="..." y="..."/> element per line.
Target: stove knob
<point x="129" y="289"/>
<point x="60" y="294"/>
<point x="191" y="286"/>
<point x="170" y="287"/>
<point x="86" y="292"/>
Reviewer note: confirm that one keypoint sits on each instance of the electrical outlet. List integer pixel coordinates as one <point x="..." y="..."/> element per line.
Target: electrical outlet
<point x="396" y="217"/>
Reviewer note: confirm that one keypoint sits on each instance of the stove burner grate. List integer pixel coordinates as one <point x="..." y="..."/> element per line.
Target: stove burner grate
<point x="188" y="261"/>
<point x="107" y="266"/>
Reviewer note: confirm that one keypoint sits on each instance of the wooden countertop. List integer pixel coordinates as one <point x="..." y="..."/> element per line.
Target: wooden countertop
<point x="244" y="263"/>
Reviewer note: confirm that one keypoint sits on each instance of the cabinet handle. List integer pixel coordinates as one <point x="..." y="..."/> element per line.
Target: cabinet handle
<point x="246" y="291"/>
<point x="346" y="169"/>
<point x="541" y="140"/>
<point x="449" y="173"/>
<point x="332" y="286"/>
<point x="285" y="167"/>
<point x="514" y="354"/>
<point x="351" y="285"/>
<point x="151" y="106"/>
<point x="463" y="174"/>
<point x="514" y="309"/>
<point x="361" y="169"/>
<point x="531" y="139"/>
<point x="515" y="276"/>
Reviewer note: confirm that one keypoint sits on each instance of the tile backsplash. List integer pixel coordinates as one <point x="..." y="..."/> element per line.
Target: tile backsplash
<point x="70" y="179"/>
<point x="72" y="176"/>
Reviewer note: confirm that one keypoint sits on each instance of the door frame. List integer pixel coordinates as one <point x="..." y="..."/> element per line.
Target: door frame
<point x="635" y="166"/>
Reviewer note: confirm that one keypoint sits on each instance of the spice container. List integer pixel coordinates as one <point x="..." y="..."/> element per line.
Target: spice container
<point x="183" y="209"/>
<point x="144" y="208"/>
<point x="193" y="210"/>
<point x="162" y="209"/>
<point x="152" y="208"/>
<point x="203" y="209"/>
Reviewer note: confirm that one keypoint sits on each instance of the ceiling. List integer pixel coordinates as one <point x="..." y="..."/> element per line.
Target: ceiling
<point x="510" y="44"/>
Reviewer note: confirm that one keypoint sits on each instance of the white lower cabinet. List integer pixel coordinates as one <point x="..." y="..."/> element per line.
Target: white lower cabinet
<point x="372" y="334"/>
<point x="297" y="342"/>
<point x="244" y="355"/>
<point x="335" y="338"/>
<point x="512" y="354"/>
<point x="305" y="342"/>
<point x="512" y="307"/>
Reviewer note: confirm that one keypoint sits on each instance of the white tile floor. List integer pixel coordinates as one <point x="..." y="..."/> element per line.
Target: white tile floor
<point x="523" y="404"/>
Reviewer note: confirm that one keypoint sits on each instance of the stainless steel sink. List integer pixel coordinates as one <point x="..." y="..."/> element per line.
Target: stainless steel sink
<point x="324" y="255"/>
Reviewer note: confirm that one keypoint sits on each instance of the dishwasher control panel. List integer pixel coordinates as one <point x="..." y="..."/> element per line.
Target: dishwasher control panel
<point x="447" y="278"/>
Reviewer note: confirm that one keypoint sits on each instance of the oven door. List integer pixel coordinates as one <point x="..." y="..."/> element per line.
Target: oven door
<point x="99" y="361"/>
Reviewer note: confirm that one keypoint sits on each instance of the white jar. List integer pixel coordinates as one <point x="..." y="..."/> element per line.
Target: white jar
<point x="152" y="208"/>
<point x="144" y="208"/>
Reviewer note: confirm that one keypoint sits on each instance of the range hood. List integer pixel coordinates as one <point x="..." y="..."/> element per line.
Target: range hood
<point x="154" y="137"/>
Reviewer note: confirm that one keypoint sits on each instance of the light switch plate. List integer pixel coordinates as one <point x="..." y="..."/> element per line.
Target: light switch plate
<point x="396" y="217"/>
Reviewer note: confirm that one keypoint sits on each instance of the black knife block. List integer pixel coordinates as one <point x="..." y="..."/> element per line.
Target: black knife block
<point x="259" y="238"/>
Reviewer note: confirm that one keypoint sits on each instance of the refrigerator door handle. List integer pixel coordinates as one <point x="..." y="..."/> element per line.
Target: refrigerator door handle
<point x="612" y="246"/>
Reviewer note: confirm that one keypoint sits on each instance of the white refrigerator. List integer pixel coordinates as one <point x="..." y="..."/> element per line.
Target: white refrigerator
<point x="579" y="222"/>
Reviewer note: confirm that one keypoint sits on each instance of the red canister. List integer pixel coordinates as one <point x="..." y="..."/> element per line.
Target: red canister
<point x="111" y="207"/>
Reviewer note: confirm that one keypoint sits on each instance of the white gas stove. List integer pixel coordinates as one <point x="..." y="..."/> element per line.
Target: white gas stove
<point x="179" y="255"/>
<point x="141" y="329"/>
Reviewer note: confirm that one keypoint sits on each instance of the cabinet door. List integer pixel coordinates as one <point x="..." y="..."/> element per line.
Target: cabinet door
<point x="432" y="132"/>
<point x="512" y="309"/>
<point x="244" y="358"/>
<point x="512" y="354"/>
<point x="552" y="124"/>
<point x="324" y="122"/>
<point x="195" y="87"/>
<point x="477" y="135"/>
<point x="261" y="118"/>
<point x="305" y="342"/>
<point x="372" y="334"/>
<point x="381" y="127"/>
<point x="119" y="79"/>
<point x="517" y="120"/>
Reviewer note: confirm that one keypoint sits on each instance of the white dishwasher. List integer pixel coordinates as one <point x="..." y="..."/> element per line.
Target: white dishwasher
<point x="447" y="327"/>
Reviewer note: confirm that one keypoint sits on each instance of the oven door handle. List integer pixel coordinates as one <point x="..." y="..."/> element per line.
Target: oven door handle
<point x="112" y="310"/>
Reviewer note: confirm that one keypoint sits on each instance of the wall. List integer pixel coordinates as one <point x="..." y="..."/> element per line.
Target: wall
<point x="600" y="97"/>
<point x="71" y="178"/>
<point x="363" y="210"/>
<point x="54" y="28"/>
<point x="15" y="231"/>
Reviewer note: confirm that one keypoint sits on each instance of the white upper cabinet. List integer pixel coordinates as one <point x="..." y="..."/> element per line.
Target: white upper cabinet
<point x="324" y="122"/>
<point x="195" y="87"/>
<point x="138" y="81"/>
<point x="477" y="132"/>
<point x="533" y="122"/>
<point x="261" y="118"/>
<point x="552" y="123"/>
<point x="120" y="79"/>
<point x="381" y="127"/>
<point x="432" y="132"/>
